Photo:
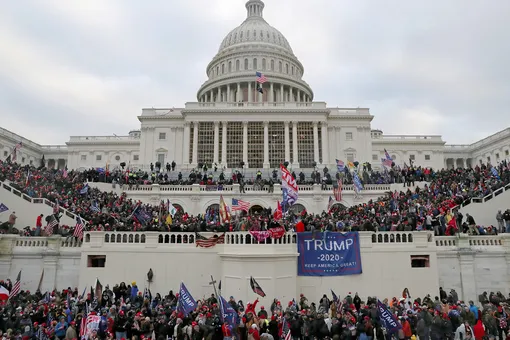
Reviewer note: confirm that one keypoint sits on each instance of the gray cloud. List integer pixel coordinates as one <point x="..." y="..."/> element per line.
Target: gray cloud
<point x="82" y="68"/>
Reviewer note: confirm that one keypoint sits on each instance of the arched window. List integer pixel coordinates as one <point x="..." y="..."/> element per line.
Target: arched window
<point x="254" y="63"/>
<point x="217" y="70"/>
<point x="222" y="68"/>
<point x="248" y="35"/>
<point x="246" y="63"/>
<point x="287" y="68"/>
<point x="272" y="65"/>
<point x="238" y="65"/>
<point x="280" y="66"/>
<point x="264" y="64"/>
<point x="292" y="70"/>
<point x="229" y="66"/>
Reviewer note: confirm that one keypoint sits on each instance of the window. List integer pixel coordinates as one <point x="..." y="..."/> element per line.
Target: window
<point x="348" y="135"/>
<point x="292" y="70"/>
<point x="229" y="66"/>
<point x="506" y="152"/>
<point x="238" y="65"/>
<point x="427" y="157"/>
<point x="420" y="261"/>
<point x="287" y="68"/>
<point x="350" y="157"/>
<point x="246" y="64"/>
<point x="412" y="157"/>
<point x="374" y="157"/>
<point x="162" y="135"/>
<point x="255" y="63"/>
<point x="264" y="64"/>
<point x="393" y="157"/>
<point x="22" y="159"/>
<point x="6" y="153"/>
<point x="488" y="159"/>
<point x="83" y="157"/>
<point x="117" y="158"/>
<point x="136" y="157"/>
<point x="31" y="162"/>
<point x="280" y="66"/>
<point x="497" y="156"/>
<point x="272" y="65"/>
<point x="96" y="261"/>
<point x="98" y="157"/>
<point x="222" y="68"/>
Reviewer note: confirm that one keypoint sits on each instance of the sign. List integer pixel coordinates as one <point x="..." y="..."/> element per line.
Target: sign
<point x="328" y="254"/>
<point x="388" y="320"/>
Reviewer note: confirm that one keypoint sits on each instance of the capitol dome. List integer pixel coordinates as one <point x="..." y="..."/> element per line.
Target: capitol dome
<point x="255" y="46"/>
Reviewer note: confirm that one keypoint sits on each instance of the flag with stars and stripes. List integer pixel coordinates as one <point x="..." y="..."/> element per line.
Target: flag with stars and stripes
<point x="16" y="288"/>
<point x="240" y="205"/>
<point x="52" y="223"/>
<point x="261" y="79"/>
<point x="78" y="229"/>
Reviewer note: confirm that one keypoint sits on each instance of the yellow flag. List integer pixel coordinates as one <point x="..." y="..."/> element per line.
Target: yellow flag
<point x="169" y="219"/>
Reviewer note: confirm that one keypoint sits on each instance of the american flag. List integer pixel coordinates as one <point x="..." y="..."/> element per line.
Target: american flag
<point x="337" y="190"/>
<point x="78" y="229"/>
<point x="51" y="224"/>
<point x="331" y="202"/>
<point x="240" y="205"/>
<point x="387" y="161"/>
<point x="205" y="242"/>
<point x="15" y="150"/>
<point x="261" y="79"/>
<point x="64" y="173"/>
<point x="17" y="287"/>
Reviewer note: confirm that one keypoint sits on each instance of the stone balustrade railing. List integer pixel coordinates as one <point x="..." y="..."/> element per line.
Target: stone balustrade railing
<point x="97" y="239"/>
<point x="33" y="200"/>
<point x="196" y="188"/>
<point x="487" y="197"/>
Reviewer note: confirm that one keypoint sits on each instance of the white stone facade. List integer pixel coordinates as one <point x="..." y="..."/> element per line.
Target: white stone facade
<point x="233" y="122"/>
<point x="468" y="264"/>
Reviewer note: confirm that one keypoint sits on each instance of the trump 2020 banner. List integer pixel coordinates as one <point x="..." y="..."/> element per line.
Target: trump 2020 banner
<point x="328" y="254"/>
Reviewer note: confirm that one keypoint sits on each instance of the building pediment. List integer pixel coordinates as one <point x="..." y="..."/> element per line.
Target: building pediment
<point x="161" y="150"/>
<point x="350" y="150"/>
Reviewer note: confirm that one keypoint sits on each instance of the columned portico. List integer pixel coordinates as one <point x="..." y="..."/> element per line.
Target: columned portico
<point x="295" y="156"/>
<point x="194" y="158"/>
<point x="266" y="145"/>
<point x="216" y="142"/>
<point x="316" y="143"/>
<point x="287" y="141"/>
<point x="325" y="143"/>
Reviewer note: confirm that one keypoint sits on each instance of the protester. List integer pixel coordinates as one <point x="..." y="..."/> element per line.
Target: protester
<point x="431" y="208"/>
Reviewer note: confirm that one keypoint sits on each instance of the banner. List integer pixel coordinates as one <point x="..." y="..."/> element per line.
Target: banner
<point x="388" y="320"/>
<point x="328" y="254"/>
<point x="228" y="313"/>
<point x="276" y="233"/>
<point x="186" y="303"/>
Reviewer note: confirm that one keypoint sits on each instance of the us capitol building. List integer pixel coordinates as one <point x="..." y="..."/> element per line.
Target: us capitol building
<point x="238" y="122"/>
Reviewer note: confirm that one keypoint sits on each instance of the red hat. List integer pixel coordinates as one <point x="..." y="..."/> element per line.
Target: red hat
<point x="262" y="307"/>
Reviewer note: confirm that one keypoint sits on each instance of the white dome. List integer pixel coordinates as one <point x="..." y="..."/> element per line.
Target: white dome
<point x="255" y="30"/>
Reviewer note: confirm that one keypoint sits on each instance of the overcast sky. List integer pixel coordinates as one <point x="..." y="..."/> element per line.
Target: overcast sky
<point x="87" y="67"/>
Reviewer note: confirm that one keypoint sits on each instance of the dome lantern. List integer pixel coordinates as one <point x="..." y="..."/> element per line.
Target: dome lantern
<point x="254" y="9"/>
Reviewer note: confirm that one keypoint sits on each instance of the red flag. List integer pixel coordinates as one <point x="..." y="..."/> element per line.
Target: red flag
<point x="278" y="213"/>
<point x="300" y="227"/>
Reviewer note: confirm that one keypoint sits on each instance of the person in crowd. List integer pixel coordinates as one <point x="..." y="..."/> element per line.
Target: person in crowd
<point x="433" y="207"/>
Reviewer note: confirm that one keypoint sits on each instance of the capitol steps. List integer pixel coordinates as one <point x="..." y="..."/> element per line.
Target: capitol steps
<point x="484" y="209"/>
<point x="27" y="208"/>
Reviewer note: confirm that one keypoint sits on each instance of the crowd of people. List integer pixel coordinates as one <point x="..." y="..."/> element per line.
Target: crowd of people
<point x="125" y="312"/>
<point x="429" y="208"/>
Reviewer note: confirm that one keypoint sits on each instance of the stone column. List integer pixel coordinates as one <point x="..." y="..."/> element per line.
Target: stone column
<point x="271" y="94"/>
<point x="194" y="157"/>
<point x="325" y="144"/>
<point x="224" y="144"/>
<point x="266" y="145"/>
<point x="216" y="155"/>
<point x="287" y="142"/>
<point x="238" y="93"/>
<point x="185" y="156"/>
<point x="295" y="153"/>
<point x="291" y="96"/>
<point x="245" y="143"/>
<point x="281" y="93"/>
<point x="249" y="92"/>
<point x="228" y="93"/>
<point x="315" y="143"/>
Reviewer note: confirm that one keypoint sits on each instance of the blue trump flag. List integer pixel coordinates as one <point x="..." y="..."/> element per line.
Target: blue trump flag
<point x="185" y="304"/>
<point x="388" y="320"/>
<point x="228" y="314"/>
<point x="328" y="254"/>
